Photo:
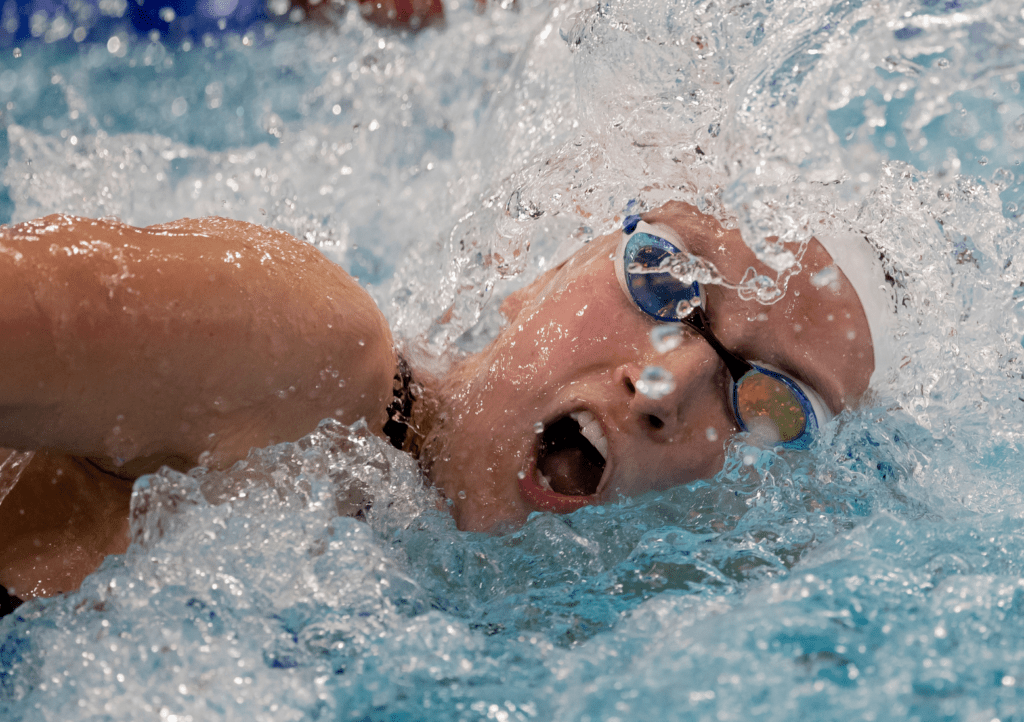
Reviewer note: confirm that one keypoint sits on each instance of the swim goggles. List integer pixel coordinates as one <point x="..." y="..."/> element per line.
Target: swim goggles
<point x="763" y="399"/>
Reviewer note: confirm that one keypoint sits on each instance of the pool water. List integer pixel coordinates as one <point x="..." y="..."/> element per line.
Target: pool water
<point x="877" y="576"/>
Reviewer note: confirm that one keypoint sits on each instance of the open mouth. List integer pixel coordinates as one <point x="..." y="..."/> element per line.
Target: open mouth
<point x="571" y="460"/>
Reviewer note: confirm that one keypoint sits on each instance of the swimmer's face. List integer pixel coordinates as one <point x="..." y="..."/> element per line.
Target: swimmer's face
<point x="572" y="354"/>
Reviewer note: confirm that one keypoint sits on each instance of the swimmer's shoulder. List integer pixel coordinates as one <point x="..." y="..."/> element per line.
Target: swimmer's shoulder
<point x="180" y="333"/>
<point x="258" y="249"/>
<point x="214" y="229"/>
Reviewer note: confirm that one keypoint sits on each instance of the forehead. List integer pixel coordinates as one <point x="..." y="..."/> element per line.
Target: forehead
<point x="698" y="234"/>
<point x="706" y="237"/>
<point x="595" y="260"/>
<point x="683" y="215"/>
<point x="702" y="234"/>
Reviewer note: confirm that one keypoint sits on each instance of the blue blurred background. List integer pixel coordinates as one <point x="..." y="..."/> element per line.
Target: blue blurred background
<point x="173" y="20"/>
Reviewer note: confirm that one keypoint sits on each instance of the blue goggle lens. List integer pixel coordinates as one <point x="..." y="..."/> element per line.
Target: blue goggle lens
<point x="657" y="294"/>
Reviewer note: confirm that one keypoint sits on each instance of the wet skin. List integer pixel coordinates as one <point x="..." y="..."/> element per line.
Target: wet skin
<point x="130" y="348"/>
<point x="201" y="339"/>
<point x="575" y="342"/>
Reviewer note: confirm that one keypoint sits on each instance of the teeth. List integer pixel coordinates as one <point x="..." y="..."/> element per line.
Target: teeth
<point x="545" y="483"/>
<point x="591" y="431"/>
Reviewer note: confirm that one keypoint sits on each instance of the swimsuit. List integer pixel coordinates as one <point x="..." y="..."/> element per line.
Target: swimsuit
<point x="8" y="602"/>
<point x="396" y="428"/>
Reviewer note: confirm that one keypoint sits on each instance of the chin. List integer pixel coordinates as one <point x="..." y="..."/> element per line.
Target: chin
<point x="495" y="510"/>
<point x="474" y="496"/>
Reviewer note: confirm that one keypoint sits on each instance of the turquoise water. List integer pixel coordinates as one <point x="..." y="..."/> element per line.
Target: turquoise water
<point x="877" y="576"/>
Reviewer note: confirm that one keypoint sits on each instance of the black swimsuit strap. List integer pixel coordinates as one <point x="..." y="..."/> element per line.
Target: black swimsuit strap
<point x="396" y="428"/>
<point x="8" y="602"/>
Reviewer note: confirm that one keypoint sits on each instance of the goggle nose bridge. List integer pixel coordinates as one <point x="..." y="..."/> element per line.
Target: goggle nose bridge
<point x="697" y="319"/>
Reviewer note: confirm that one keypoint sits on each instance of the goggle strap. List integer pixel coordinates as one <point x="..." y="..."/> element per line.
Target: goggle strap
<point x="698" y="321"/>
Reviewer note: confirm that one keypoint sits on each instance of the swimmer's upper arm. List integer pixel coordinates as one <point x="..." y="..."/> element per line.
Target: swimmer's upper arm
<point x="192" y="337"/>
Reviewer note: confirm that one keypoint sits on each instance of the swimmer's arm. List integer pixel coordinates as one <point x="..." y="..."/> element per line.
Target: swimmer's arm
<point x="169" y="342"/>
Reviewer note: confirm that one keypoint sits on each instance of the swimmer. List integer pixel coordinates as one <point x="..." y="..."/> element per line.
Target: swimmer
<point x="191" y="342"/>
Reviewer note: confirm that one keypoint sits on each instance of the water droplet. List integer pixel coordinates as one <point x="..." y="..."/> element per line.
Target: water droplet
<point x="462" y="495"/>
<point x="1003" y="178"/>
<point x="665" y="337"/>
<point x="825" y="277"/>
<point x="538" y="428"/>
<point x="685" y="308"/>
<point x="711" y="433"/>
<point x="521" y="475"/>
<point x="655" y="382"/>
<point x="748" y="459"/>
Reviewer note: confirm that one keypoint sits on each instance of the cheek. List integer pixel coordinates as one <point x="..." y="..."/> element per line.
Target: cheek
<point x="582" y="322"/>
<point x="593" y="317"/>
<point x="563" y="348"/>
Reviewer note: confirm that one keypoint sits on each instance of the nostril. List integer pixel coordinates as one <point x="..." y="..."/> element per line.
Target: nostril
<point x="629" y="385"/>
<point x="654" y="422"/>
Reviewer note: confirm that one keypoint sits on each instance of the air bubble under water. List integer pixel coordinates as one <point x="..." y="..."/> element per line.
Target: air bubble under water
<point x="666" y="337"/>
<point x="655" y="382"/>
<point x="827" y="276"/>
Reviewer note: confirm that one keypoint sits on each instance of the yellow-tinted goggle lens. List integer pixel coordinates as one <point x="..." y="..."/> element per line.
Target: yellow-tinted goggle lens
<point x="764" y="402"/>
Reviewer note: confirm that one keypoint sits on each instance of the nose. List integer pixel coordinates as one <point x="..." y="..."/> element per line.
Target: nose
<point x="692" y="388"/>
